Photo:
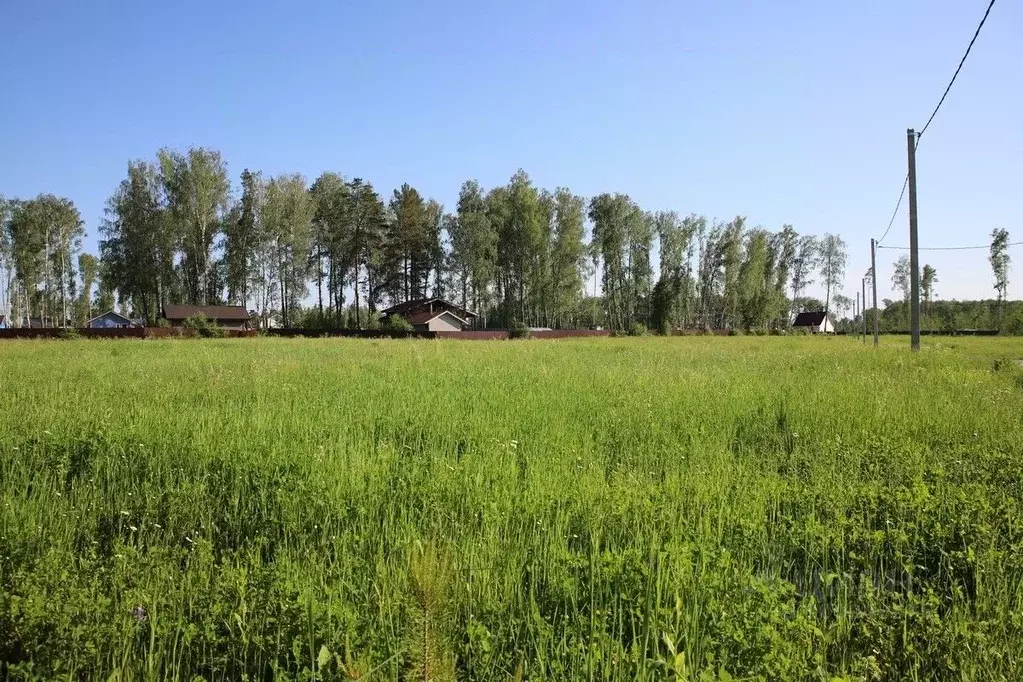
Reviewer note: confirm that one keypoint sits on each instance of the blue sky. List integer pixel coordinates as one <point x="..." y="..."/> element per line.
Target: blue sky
<point x="786" y="112"/>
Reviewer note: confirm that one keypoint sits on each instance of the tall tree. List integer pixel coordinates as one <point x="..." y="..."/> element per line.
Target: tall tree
<point x="198" y="191"/>
<point x="568" y="255"/>
<point x="366" y="222"/>
<point x="137" y="244"/>
<point x="332" y="237"/>
<point x="785" y="245"/>
<point x="517" y="216"/>
<point x="88" y="271"/>
<point x="433" y="263"/>
<point x="473" y="239"/>
<point x="619" y="229"/>
<point x="928" y="278"/>
<point x="755" y="285"/>
<point x="731" y="260"/>
<point x="409" y="248"/>
<point x="287" y="215"/>
<point x="901" y="278"/>
<point x="6" y="262"/>
<point x="998" y="256"/>
<point x="804" y="263"/>
<point x="241" y="237"/>
<point x="833" y="259"/>
<point x="45" y="234"/>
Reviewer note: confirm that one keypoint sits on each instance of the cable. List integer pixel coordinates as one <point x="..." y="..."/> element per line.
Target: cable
<point x="944" y="248"/>
<point x="896" y="211"/>
<point x="961" y="62"/>
<point x="926" y="125"/>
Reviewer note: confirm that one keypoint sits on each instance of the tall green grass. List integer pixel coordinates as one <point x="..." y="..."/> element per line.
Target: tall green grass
<point x="608" y="509"/>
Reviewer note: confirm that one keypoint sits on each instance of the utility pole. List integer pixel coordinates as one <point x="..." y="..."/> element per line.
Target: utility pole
<point x="856" y="311"/>
<point x="873" y="282"/>
<point x="914" y="251"/>
<point x="863" y="313"/>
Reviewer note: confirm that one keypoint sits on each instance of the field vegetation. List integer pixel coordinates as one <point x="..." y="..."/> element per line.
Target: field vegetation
<point x="608" y="509"/>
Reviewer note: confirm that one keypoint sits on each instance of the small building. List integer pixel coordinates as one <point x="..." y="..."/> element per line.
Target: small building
<point x="432" y="315"/>
<point x="111" y="320"/>
<point x="816" y="322"/>
<point x="225" y="316"/>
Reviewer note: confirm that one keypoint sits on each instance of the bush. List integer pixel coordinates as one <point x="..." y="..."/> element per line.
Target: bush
<point x="638" y="329"/>
<point x="69" y="334"/>
<point x="518" y="330"/>
<point x="162" y="323"/>
<point x="397" y="323"/>
<point x="204" y="327"/>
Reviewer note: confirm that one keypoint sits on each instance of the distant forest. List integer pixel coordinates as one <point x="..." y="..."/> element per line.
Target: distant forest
<point x="335" y="252"/>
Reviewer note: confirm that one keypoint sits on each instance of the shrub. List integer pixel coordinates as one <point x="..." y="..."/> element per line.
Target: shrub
<point x="397" y="323"/>
<point x="518" y="330"/>
<point x="69" y="334"/>
<point x="204" y="327"/>
<point x="638" y="329"/>
<point x="162" y="323"/>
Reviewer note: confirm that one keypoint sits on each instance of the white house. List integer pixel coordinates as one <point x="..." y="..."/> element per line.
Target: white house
<point x="816" y="322"/>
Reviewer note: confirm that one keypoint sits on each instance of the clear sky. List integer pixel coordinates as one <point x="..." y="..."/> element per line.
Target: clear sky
<point x="785" y="111"/>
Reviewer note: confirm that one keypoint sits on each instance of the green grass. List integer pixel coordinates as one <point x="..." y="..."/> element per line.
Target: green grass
<point x="623" y="509"/>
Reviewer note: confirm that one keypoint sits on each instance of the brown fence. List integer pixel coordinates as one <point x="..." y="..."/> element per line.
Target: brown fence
<point x="114" y="333"/>
<point x="481" y="335"/>
<point x="349" y="333"/>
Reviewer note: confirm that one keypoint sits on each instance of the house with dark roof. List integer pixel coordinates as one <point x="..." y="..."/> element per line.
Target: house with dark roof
<point x="815" y="322"/>
<point x="432" y="315"/>
<point x="225" y="316"/>
<point x="111" y="320"/>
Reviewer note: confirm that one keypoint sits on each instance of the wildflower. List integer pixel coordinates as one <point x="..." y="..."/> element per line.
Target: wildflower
<point x="133" y="528"/>
<point x="124" y="513"/>
<point x="139" y="614"/>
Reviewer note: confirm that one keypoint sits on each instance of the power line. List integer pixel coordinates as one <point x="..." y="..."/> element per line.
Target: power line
<point x="896" y="211"/>
<point x="944" y="248"/>
<point x="959" y="68"/>
<point x="962" y="61"/>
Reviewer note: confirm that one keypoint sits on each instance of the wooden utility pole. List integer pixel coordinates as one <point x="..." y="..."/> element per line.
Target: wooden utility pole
<point x="863" y="313"/>
<point x="914" y="251"/>
<point x="873" y="283"/>
<point x="856" y="311"/>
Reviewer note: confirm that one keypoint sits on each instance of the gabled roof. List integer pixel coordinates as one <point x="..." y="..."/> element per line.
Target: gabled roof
<point x="423" y="318"/>
<point x="115" y="314"/>
<point x="809" y="319"/>
<point x="402" y="308"/>
<point x="235" y="313"/>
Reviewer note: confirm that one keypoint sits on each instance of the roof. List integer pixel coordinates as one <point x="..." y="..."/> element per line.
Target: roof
<point x="402" y="308"/>
<point x="423" y="318"/>
<point x="809" y="319"/>
<point x="111" y="312"/>
<point x="213" y="312"/>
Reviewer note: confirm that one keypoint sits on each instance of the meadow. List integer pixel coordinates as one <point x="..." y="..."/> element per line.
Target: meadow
<point x="606" y="509"/>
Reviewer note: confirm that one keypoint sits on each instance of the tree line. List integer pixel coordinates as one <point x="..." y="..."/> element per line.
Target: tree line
<point x="334" y="252"/>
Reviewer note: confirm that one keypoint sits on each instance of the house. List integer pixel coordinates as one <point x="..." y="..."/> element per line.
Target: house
<point x="432" y="315"/>
<point x="110" y="320"/>
<point x="225" y="316"/>
<point x="816" y="322"/>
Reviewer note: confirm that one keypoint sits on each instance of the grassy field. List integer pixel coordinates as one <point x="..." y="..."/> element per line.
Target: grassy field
<point x="608" y="509"/>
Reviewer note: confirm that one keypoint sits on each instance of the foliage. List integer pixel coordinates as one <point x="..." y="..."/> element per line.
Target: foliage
<point x="518" y="330"/>
<point x="999" y="258"/>
<point x="397" y="323"/>
<point x="638" y="329"/>
<point x="204" y="327"/>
